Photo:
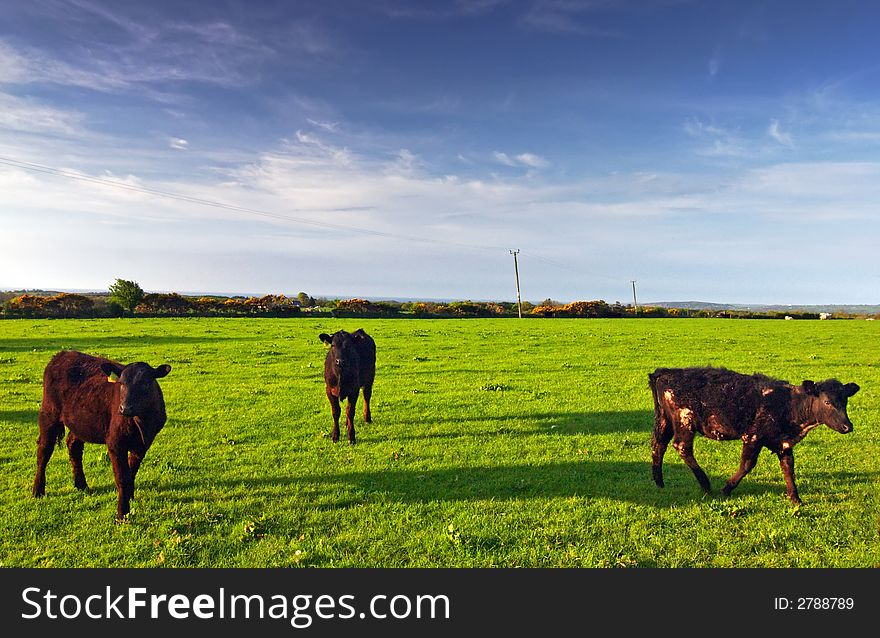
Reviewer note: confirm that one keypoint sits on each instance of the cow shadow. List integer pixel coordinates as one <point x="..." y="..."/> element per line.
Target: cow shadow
<point x="637" y="422"/>
<point x="621" y="481"/>
<point x="625" y="481"/>
<point x="20" y="417"/>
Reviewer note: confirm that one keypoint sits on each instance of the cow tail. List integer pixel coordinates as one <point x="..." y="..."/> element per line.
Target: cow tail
<point x="652" y="382"/>
<point x="59" y="436"/>
<point x="657" y="447"/>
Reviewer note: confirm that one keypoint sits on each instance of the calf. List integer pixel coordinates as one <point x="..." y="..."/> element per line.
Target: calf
<point x="100" y="401"/>
<point x="350" y="365"/>
<point x="763" y="412"/>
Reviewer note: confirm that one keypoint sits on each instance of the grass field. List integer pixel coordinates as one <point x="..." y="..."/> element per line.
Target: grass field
<point x="494" y="443"/>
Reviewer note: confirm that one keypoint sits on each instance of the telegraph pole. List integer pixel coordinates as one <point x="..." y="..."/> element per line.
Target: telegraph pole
<point x="516" y="270"/>
<point x="635" y="303"/>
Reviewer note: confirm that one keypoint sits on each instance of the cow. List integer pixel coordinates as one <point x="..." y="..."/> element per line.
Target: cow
<point x="100" y="401"/>
<point x="761" y="411"/>
<point x="350" y="365"/>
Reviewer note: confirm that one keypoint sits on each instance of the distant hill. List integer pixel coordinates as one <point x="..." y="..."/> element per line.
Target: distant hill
<point x="854" y="309"/>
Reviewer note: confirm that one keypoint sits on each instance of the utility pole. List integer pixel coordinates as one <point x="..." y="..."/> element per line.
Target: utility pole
<point x="635" y="303"/>
<point x="516" y="270"/>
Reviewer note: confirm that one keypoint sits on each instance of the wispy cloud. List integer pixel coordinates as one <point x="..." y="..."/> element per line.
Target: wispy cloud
<point x="715" y="141"/>
<point x="332" y="127"/>
<point x="407" y="9"/>
<point x="715" y="63"/>
<point x="155" y="56"/>
<point x="178" y="143"/>
<point x="778" y="134"/>
<point x="571" y="17"/>
<point x="29" y="116"/>
<point x="503" y="158"/>
<point x="530" y="159"/>
<point x="308" y="177"/>
<point x="523" y="159"/>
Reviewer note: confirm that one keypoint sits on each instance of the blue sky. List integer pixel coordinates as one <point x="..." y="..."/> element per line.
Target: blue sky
<point x="720" y="151"/>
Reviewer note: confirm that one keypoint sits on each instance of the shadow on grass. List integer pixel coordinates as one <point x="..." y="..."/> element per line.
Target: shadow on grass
<point x="625" y="481"/>
<point x="622" y="481"/>
<point x="635" y="421"/>
<point x="20" y="417"/>
<point x="70" y="342"/>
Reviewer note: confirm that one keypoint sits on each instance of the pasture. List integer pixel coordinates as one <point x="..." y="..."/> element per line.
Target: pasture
<point x="505" y="443"/>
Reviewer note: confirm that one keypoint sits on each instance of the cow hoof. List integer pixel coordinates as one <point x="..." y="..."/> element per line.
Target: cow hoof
<point x="351" y="441"/>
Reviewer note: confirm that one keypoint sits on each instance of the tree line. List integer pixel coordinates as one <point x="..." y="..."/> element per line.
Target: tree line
<point x="127" y="299"/>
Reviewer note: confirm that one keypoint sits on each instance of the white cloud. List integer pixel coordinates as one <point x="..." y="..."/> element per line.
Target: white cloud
<point x="529" y="159"/>
<point x="777" y="134"/>
<point x="565" y="17"/>
<point x="319" y="151"/>
<point x="503" y="158"/>
<point x="178" y="143"/>
<point x="27" y="116"/>
<point x="523" y="159"/>
<point x="332" y="127"/>
<point x="715" y="63"/>
<point x="726" y="220"/>
<point x="697" y="128"/>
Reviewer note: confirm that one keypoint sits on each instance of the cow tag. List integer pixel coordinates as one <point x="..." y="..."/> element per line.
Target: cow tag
<point x="113" y="378"/>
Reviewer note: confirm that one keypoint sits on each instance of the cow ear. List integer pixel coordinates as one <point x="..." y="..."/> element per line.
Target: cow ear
<point x="162" y="371"/>
<point x="810" y="388"/>
<point x="325" y="338"/>
<point x="850" y="389"/>
<point x="112" y="370"/>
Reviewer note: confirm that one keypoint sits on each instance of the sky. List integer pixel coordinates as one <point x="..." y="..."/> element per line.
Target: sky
<point x="724" y="151"/>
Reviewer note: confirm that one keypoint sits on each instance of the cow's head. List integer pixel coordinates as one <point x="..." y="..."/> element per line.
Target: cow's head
<point x="137" y="385"/>
<point x="343" y="354"/>
<point x="829" y="403"/>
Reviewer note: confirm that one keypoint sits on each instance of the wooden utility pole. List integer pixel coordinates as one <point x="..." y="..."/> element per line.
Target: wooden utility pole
<point x="516" y="271"/>
<point x="635" y="303"/>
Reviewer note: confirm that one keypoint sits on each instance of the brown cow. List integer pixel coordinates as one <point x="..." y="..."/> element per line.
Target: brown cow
<point x="350" y="364"/>
<point x="100" y="401"/>
<point x="763" y="412"/>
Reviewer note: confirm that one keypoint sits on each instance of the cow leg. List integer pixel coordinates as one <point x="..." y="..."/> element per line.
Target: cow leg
<point x="684" y="444"/>
<point x="75" y="451"/>
<point x="368" y="392"/>
<point x="747" y="463"/>
<point x="124" y="487"/>
<point x="51" y="431"/>
<point x="134" y="464"/>
<point x="335" y="409"/>
<point x="349" y="417"/>
<point x="786" y="461"/>
<point x="663" y="433"/>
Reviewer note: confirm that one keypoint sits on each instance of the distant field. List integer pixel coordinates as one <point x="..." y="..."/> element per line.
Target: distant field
<point x="495" y="443"/>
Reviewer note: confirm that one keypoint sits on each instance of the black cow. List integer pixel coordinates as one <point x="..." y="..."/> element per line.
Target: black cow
<point x="100" y="401"/>
<point x="350" y="365"/>
<point x="763" y="412"/>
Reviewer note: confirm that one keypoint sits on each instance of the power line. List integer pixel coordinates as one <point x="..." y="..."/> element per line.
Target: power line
<point x="516" y="270"/>
<point x="635" y="303"/>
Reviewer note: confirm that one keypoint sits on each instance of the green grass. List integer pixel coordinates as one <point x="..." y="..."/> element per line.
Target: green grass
<point x="494" y="443"/>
